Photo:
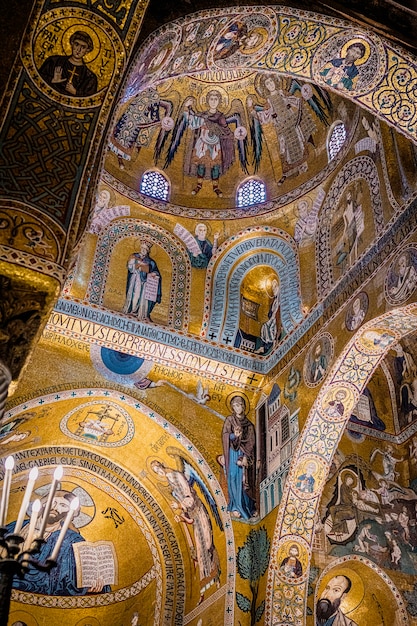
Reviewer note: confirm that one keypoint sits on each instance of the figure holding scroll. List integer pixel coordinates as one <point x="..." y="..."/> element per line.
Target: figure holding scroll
<point x="200" y="249"/>
<point x="143" y="287"/>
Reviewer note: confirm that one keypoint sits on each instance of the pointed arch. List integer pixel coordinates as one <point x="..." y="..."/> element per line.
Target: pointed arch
<point x="318" y="443"/>
<point x="362" y="167"/>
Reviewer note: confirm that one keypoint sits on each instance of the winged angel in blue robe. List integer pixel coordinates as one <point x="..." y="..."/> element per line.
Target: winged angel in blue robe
<point x="211" y="149"/>
<point x="191" y="504"/>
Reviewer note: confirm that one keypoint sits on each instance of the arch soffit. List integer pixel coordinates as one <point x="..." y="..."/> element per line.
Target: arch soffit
<point x="241" y="253"/>
<point x="298" y="44"/>
<point x="318" y="442"/>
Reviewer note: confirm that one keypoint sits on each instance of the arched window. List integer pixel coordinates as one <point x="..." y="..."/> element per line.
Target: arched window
<point x="155" y="185"/>
<point x="250" y="192"/>
<point x="336" y="139"/>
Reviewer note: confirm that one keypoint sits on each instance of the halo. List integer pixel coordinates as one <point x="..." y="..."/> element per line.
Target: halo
<point x="264" y="36"/>
<point x="260" y="78"/>
<point x="85" y="516"/>
<point x="242" y="395"/>
<point x="367" y="54"/>
<point x="149" y="461"/>
<point x="203" y="96"/>
<point x="268" y="285"/>
<point x="355" y="596"/>
<point x="345" y="472"/>
<point x="303" y="466"/>
<point x="90" y="56"/>
<point x="307" y="201"/>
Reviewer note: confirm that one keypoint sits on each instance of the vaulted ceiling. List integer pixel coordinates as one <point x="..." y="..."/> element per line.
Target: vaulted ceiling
<point x="225" y="208"/>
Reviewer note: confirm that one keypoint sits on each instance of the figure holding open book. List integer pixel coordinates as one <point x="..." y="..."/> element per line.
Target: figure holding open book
<point x="143" y="287"/>
<point x="68" y="578"/>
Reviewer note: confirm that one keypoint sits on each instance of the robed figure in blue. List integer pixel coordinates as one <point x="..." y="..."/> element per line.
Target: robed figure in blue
<point x="62" y="579"/>
<point x="239" y="449"/>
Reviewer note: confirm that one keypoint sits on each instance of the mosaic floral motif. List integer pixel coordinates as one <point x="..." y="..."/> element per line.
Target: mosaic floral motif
<point x="288" y="603"/>
<point x="356" y="367"/>
<point x="299" y="517"/>
<point x="321" y="436"/>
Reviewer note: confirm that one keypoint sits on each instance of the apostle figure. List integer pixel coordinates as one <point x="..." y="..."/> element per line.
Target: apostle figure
<point x="343" y="72"/>
<point x="328" y="611"/>
<point x="143" y="288"/>
<point x="69" y="74"/>
<point x="291" y="565"/>
<point x="403" y="280"/>
<point x="62" y="579"/>
<point x="239" y="449"/>
<point x="207" y="249"/>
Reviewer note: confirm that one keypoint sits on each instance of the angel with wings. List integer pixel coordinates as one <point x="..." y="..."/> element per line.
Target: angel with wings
<point x="188" y="490"/>
<point x="292" y="119"/>
<point x="146" y="113"/>
<point x="212" y="150"/>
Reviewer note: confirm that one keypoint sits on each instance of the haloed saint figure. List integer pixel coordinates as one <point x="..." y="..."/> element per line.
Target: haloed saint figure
<point x="328" y="611"/>
<point x="69" y="75"/>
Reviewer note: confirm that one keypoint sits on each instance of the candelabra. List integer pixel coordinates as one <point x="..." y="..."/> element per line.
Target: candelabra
<point x="19" y="543"/>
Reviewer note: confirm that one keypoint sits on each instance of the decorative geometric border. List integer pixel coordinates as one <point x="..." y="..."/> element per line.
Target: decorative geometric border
<point x="178" y="315"/>
<point x="36" y="263"/>
<point x="320" y="436"/>
<point x="183" y="441"/>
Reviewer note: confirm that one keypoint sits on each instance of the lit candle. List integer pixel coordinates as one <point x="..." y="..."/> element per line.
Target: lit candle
<point x="7" y="481"/>
<point x="57" y="477"/>
<point x="36" y="507"/>
<point x="33" y="474"/>
<point x="73" y="507"/>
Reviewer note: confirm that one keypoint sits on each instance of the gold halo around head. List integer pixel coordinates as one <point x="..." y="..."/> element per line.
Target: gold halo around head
<point x="345" y="473"/>
<point x="260" y="79"/>
<point x="268" y="285"/>
<point x="262" y="35"/>
<point x="92" y="54"/>
<point x="150" y="461"/>
<point x="302" y="468"/>
<point x="352" y="42"/>
<point x="224" y="97"/>
<point x="354" y="597"/>
<point x="239" y="394"/>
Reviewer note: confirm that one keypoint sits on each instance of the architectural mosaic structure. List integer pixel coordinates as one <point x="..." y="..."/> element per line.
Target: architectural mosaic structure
<point x="208" y="278"/>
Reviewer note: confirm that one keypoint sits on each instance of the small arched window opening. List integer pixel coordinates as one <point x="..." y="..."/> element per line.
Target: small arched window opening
<point x="155" y="185"/>
<point x="250" y="192"/>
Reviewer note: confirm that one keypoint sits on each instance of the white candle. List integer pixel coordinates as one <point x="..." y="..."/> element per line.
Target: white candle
<point x="73" y="507"/>
<point x="7" y="481"/>
<point x="36" y="507"/>
<point x="57" y="477"/>
<point x="33" y="474"/>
